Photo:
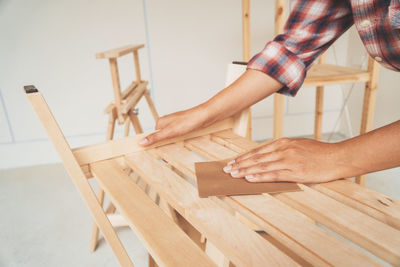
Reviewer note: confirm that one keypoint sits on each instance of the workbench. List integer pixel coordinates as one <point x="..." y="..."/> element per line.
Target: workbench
<point x="338" y="223"/>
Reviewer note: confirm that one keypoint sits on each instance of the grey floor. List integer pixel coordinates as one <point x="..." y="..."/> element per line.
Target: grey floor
<point x="44" y="222"/>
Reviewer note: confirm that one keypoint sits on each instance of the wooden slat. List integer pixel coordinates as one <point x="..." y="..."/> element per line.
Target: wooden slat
<point x="119" y="147"/>
<point x="164" y="240"/>
<point x="367" y="232"/>
<point x="203" y="147"/>
<point x="118" y="52"/>
<point x="289" y="227"/>
<point x="129" y="89"/>
<point x="374" y="236"/>
<point x="232" y="141"/>
<point x="325" y="74"/>
<point x="239" y="244"/>
<point x="131" y="100"/>
<point x="363" y="199"/>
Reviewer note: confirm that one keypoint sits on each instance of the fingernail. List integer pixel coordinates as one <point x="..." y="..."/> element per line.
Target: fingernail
<point x="144" y="141"/>
<point x="249" y="177"/>
<point x="231" y="162"/>
<point x="235" y="172"/>
<point x="228" y="168"/>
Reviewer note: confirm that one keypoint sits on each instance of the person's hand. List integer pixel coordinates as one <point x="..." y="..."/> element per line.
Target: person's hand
<point x="296" y="160"/>
<point x="176" y="124"/>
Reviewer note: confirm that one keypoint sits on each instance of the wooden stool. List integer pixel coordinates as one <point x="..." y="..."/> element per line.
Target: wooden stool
<point x="123" y="109"/>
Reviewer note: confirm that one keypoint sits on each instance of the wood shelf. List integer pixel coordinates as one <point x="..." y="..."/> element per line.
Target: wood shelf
<point x="325" y="74"/>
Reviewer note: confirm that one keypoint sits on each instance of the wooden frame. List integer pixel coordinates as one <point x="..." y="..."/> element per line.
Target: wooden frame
<point x="221" y="230"/>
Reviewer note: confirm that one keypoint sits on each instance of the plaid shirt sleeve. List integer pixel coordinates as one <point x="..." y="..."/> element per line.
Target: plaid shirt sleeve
<point x="311" y="28"/>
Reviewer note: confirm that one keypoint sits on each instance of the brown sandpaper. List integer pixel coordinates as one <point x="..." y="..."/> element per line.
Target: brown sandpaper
<point x="213" y="181"/>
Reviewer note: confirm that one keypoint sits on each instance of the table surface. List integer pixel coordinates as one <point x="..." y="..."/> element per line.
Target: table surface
<point x="330" y="224"/>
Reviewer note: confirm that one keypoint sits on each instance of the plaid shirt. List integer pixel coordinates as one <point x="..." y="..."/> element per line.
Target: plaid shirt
<point x="314" y="25"/>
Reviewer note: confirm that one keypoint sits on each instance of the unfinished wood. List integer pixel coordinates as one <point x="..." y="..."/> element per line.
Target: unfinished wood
<point x="119" y="52"/>
<point x="165" y="241"/>
<point x="151" y="105"/>
<point x="241" y="122"/>
<point x="116" y="148"/>
<point x="326" y="74"/>
<point x="367" y="232"/>
<point x="239" y="244"/>
<point x="289" y="227"/>
<point x="131" y="100"/>
<point x="319" y="106"/>
<point x="278" y="115"/>
<point x="95" y="232"/>
<point x="116" y="87"/>
<point x="216" y="255"/>
<point x="368" y="109"/>
<point x="232" y="141"/>
<point x="204" y="147"/>
<point x="135" y="123"/>
<point x="137" y="66"/>
<point x="129" y="89"/>
<point x="374" y="204"/>
<point x="78" y="177"/>
<point x="245" y="129"/>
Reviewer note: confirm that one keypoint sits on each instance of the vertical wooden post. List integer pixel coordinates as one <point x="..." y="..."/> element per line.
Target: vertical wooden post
<point x="137" y="67"/>
<point x="116" y="87"/>
<point x="280" y="7"/>
<point x="369" y="104"/>
<point x="246" y="48"/>
<point x="319" y="107"/>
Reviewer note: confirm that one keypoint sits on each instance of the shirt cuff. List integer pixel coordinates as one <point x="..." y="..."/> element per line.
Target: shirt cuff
<point x="281" y="64"/>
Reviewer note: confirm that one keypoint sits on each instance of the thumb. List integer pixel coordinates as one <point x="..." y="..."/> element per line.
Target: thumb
<point x="154" y="137"/>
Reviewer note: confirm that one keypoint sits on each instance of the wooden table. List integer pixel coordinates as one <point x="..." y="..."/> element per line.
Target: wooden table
<point x="331" y="224"/>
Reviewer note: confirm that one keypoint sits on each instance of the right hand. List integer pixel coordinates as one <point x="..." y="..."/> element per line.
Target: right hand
<point x="176" y="124"/>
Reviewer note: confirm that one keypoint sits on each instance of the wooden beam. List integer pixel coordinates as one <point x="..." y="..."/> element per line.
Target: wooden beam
<point x="118" y="52"/>
<point x="116" y="148"/>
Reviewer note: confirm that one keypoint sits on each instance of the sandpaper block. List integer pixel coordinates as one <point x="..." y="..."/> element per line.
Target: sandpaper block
<point x="213" y="181"/>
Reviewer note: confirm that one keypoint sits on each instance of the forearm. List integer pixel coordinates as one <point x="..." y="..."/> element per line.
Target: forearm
<point x="373" y="151"/>
<point x="250" y="88"/>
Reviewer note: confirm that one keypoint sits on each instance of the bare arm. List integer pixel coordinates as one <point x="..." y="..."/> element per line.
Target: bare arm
<point x="250" y="88"/>
<point x="309" y="161"/>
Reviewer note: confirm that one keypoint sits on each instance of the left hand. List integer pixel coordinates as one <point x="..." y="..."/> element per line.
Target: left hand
<point x="296" y="160"/>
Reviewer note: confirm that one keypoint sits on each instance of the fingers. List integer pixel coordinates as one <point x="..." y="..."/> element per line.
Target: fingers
<point x="265" y="148"/>
<point x="259" y="168"/>
<point x="252" y="160"/>
<point x="156" y="137"/>
<point x="273" y="176"/>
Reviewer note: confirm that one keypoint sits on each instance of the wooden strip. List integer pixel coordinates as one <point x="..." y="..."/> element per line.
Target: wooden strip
<point x="374" y="204"/>
<point x="119" y="147"/>
<point x="203" y="146"/>
<point x="279" y="104"/>
<point x="137" y="66"/>
<point x="289" y="227"/>
<point x="370" y="234"/>
<point x="116" y="87"/>
<point x="233" y="141"/>
<point x="374" y="236"/>
<point x="164" y="240"/>
<point x="74" y="170"/>
<point x="119" y="52"/>
<point x="129" y="89"/>
<point x="151" y="105"/>
<point x="238" y="243"/>
<point x="131" y="101"/>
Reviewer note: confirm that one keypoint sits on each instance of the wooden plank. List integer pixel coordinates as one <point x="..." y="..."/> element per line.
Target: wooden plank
<point x="239" y="244"/>
<point x="367" y="232"/>
<point x="204" y="147"/>
<point x="129" y="89"/>
<point x="76" y="174"/>
<point x="319" y="111"/>
<point x="118" y="52"/>
<point x="164" y="240"/>
<point x="131" y="100"/>
<point x="119" y="147"/>
<point x="326" y="74"/>
<point x="351" y="223"/>
<point x="289" y="227"/>
<point x="374" y="204"/>
<point x="232" y="141"/>
<point x="137" y="66"/>
<point x="279" y="104"/>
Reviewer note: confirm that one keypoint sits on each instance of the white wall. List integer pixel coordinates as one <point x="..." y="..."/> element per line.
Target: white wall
<point x="52" y="44"/>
